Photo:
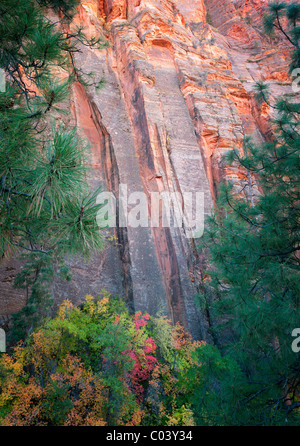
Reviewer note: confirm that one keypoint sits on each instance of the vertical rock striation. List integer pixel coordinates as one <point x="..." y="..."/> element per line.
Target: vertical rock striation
<point x="177" y="95"/>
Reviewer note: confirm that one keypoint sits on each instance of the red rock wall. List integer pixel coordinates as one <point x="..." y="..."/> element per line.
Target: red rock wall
<point x="179" y="76"/>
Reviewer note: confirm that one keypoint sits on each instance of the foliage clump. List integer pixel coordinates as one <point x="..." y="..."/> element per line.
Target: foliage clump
<point x="99" y="365"/>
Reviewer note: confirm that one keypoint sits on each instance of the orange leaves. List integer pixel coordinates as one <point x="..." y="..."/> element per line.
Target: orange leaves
<point x="25" y="403"/>
<point x="64" y="309"/>
<point x="72" y="391"/>
<point x="95" y="365"/>
<point x="87" y="393"/>
<point x="181" y="337"/>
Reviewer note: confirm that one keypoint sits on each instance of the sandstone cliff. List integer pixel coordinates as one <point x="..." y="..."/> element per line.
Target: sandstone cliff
<point x="178" y="94"/>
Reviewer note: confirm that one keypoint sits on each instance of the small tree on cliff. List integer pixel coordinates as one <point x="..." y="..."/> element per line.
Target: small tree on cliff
<point x="254" y="267"/>
<point x="46" y="209"/>
<point x="283" y="18"/>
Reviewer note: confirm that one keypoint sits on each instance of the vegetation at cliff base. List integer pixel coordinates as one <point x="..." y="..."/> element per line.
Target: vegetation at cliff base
<point x="100" y="365"/>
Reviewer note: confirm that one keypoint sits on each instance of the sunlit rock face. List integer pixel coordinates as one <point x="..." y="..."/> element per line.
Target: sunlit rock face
<point x="177" y="96"/>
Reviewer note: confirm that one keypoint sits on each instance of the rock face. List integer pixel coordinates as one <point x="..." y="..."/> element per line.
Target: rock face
<point x="177" y="95"/>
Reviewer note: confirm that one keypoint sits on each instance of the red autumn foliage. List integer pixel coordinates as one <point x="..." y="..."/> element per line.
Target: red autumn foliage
<point x="144" y="363"/>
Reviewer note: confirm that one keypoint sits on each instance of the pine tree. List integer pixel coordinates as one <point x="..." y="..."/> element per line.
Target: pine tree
<point x="46" y="208"/>
<point x="253" y="244"/>
<point x="283" y="19"/>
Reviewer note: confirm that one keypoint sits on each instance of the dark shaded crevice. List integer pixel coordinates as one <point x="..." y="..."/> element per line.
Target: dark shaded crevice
<point x="111" y="174"/>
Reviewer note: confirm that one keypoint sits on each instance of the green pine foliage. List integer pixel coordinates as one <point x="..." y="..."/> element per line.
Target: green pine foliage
<point x="34" y="278"/>
<point x="66" y="7"/>
<point x="283" y="18"/>
<point x="46" y="207"/>
<point x="253" y="245"/>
